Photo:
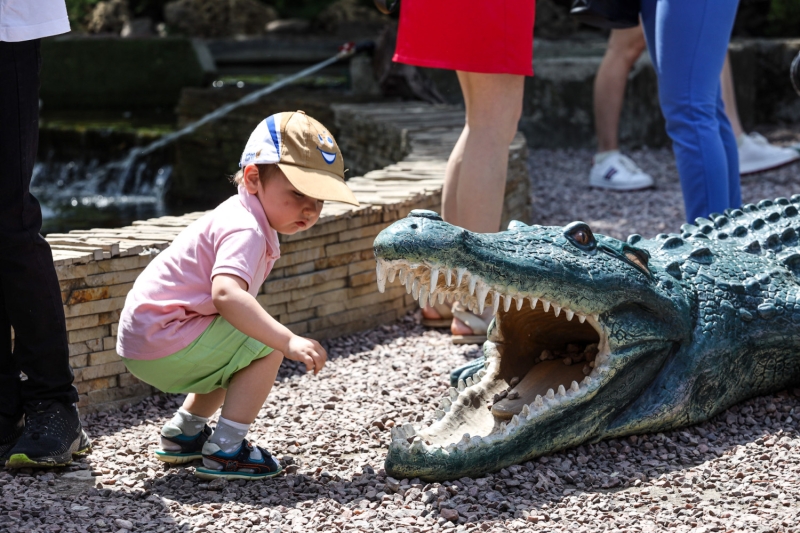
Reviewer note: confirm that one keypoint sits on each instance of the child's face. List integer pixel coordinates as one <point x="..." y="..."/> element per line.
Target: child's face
<point x="287" y="209"/>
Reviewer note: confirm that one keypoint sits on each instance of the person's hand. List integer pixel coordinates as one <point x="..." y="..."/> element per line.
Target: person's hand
<point x="306" y="351"/>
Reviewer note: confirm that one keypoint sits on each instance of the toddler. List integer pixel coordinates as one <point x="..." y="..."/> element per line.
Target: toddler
<point x="191" y="322"/>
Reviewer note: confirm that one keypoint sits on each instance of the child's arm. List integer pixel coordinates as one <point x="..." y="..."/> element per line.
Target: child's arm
<point x="237" y="306"/>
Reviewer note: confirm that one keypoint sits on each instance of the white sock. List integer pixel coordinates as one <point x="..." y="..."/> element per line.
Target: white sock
<point x="599" y="157"/>
<point x="184" y="422"/>
<point x="228" y="435"/>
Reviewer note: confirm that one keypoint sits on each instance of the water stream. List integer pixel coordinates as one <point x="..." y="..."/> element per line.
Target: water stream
<point x="88" y="191"/>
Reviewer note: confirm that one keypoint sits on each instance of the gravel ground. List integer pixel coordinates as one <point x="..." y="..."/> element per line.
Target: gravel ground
<point x="737" y="472"/>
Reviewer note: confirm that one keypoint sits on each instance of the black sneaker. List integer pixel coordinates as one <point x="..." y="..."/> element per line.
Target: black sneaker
<point x="237" y="465"/>
<point x="52" y="435"/>
<point x="10" y="431"/>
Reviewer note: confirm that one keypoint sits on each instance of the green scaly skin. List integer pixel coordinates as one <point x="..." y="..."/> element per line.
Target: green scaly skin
<point x="688" y="324"/>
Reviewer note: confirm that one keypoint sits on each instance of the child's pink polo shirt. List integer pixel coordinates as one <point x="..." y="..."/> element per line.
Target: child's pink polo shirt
<point x="170" y="304"/>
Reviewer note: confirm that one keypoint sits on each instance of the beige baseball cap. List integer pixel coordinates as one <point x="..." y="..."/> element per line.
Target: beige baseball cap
<point x="305" y="151"/>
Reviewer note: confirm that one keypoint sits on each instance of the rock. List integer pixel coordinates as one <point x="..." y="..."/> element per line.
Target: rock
<point x="450" y="515"/>
<point x="288" y="26"/>
<point x="138" y="27"/>
<point x="109" y="16"/>
<point x="218" y="18"/>
<point x="350" y="17"/>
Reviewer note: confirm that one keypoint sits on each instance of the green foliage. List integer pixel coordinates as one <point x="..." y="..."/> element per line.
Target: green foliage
<point x="783" y="19"/>
<point x="306" y="9"/>
<point x="78" y="10"/>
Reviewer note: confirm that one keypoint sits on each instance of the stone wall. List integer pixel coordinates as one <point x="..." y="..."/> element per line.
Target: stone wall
<point x="324" y="283"/>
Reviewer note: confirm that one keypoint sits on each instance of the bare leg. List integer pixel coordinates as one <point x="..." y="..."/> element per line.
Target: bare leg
<point x="624" y="48"/>
<point x="494" y="107"/>
<point x="475" y="179"/>
<point x="204" y="405"/>
<point x="729" y="97"/>
<point x="249" y="388"/>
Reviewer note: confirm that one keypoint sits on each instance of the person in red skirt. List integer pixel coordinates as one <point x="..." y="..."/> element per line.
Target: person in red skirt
<point x="489" y="43"/>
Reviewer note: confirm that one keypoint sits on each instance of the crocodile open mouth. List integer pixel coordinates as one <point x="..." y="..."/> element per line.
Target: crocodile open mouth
<point x="541" y="356"/>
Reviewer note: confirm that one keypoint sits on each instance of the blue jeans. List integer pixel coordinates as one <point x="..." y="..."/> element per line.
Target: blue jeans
<point x="687" y="41"/>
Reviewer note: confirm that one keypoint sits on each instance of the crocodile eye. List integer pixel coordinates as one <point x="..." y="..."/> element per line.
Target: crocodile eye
<point x="581" y="236"/>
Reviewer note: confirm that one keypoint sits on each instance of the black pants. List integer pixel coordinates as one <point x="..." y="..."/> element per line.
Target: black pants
<point x="30" y="297"/>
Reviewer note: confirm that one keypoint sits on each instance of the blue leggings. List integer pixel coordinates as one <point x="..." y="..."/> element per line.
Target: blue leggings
<point x="688" y="40"/>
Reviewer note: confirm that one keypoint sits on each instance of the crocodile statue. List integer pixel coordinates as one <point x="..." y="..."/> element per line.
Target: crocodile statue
<point x="594" y="337"/>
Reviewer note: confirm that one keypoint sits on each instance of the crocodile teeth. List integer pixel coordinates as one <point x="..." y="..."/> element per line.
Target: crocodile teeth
<point x="506" y="302"/>
<point x="518" y="300"/>
<point x="408" y="430"/>
<point x="469" y="381"/>
<point x="496" y="301"/>
<point x="460" y="276"/>
<point x="587" y="380"/>
<point x="534" y="301"/>
<point x="574" y="387"/>
<point x="441" y="297"/>
<point x="538" y="402"/>
<point x="483" y="291"/>
<point x="545" y="305"/>
<point x="473" y="281"/>
<point x="461" y="385"/>
<point x="569" y="314"/>
<point x="453" y="393"/>
<point x="423" y="295"/>
<point x="446" y="403"/>
<point x="556" y="310"/>
<point x="526" y="410"/>
<point x="417" y="446"/>
<point x="392" y="274"/>
<point x="380" y="271"/>
<point x="581" y="319"/>
<point x="415" y="289"/>
<point x="562" y="391"/>
<point x="550" y="394"/>
<point x="438" y="414"/>
<point x="448" y="277"/>
<point x="434" y="279"/>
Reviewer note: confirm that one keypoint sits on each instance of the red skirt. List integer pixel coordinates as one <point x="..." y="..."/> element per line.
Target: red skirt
<point x="489" y="36"/>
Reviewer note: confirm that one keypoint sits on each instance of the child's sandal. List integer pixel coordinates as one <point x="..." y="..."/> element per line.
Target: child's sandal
<point x="239" y="464"/>
<point x="190" y="448"/>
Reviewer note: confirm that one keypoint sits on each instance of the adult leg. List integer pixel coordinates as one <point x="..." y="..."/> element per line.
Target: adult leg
<point x="728" y="137"/>
<point x="494" y="107"/>
<point x="755" y="153"/>
<point x="624" y="48"/>
<point x="688" y="42"/>
<point x="729" y="97"/>
<point x="475" y="177"/>
<point x="31" y="296"/>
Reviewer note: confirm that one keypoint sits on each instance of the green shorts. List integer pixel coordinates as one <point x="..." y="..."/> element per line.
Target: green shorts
<point x="207" y="364"/>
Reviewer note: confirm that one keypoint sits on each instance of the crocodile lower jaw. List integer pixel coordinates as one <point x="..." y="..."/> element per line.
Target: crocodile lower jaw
<point x="463" y="421"/>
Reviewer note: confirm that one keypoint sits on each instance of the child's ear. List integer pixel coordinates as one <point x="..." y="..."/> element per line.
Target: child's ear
<point x="251" y="178"/>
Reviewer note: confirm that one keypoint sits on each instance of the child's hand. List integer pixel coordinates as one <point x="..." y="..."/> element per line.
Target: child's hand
<point x="306" y="351"/>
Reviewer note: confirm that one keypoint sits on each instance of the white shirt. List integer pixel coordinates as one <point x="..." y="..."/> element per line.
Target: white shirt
<point x="25" y="20"/>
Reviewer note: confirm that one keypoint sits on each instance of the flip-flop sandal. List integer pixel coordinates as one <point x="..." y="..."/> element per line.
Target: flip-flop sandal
<point x="444" y="312"/>
<point x="476" y="323"/>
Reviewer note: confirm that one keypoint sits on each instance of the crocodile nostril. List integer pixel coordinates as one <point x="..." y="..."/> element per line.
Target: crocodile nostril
<point x="414" y="226"/>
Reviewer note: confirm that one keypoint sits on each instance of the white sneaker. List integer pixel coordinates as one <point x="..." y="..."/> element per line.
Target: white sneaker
<point x="757" y="155"/>
<point x="612" y="170"/>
